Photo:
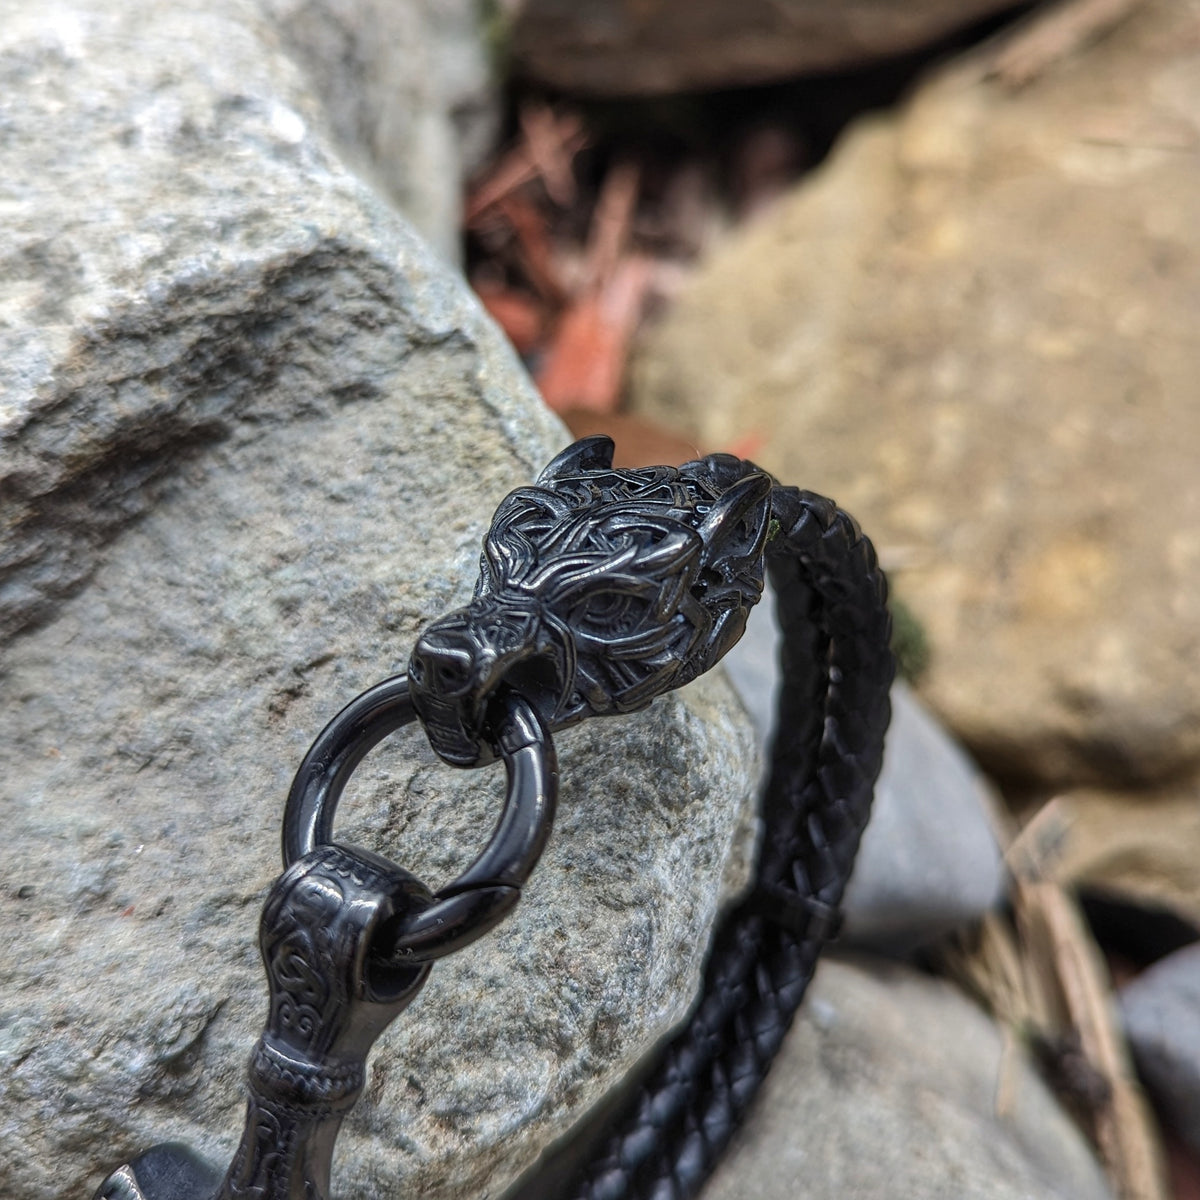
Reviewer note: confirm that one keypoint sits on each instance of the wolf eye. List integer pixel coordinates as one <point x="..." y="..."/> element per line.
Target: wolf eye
<point x="608" y="613"/>
<point x="605" y="606"/>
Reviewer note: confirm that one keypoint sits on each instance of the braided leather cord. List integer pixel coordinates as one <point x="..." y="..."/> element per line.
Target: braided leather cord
<point x="833" y="711"/>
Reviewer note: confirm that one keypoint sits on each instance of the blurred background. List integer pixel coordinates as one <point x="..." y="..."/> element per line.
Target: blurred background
<point x="940" y="261"/>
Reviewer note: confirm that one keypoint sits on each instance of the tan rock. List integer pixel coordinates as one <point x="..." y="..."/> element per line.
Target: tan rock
<point x="1141" y="848"/>
<point x="976" y="327"/>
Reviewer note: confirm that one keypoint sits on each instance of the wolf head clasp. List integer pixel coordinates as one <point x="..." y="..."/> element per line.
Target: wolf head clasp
<point x="599" y="589"/>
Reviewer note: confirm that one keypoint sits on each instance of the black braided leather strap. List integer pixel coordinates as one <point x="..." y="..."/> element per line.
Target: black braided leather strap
<point x="833" y="711"/>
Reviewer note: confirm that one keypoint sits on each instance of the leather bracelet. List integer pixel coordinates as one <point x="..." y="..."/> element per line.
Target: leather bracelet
<point x="600" y="589"/>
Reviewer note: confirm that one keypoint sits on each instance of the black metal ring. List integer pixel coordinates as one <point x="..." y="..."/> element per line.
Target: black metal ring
<point x="489" y="888"/>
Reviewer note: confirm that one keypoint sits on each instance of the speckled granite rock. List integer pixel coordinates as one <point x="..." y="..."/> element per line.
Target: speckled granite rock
<point x="408" y="93"/>
<point x="887" y="1087"/>
<point x="975" y="327"/>
<point x="250" y="435"/>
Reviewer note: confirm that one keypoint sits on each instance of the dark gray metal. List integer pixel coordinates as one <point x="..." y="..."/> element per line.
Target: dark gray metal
<point x="171" y="1170"/>
<point x="599" y="589"/>
<point x="330" y="998"/>
<point x="490" y="887"/>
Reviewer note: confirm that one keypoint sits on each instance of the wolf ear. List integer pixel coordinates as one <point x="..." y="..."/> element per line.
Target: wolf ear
<point x="587" y="454"/>
<point x="736" y="525"/>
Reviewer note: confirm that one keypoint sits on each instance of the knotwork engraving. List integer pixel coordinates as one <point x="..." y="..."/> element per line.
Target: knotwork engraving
<point x="599" y="589"/>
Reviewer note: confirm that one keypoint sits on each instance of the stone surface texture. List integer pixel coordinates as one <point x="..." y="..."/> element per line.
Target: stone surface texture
<point x="408" y="94"/>
<point x="1161" y="1008"/>
<point x="887" y="1087"/>
<point x="1140" y="847"/>
<point x="974" y="326"/>
<point x="612" y="47"/>
<point x="930" y="861"/>
<point x="251" y="432"/>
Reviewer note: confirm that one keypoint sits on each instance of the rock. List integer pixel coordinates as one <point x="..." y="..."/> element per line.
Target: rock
<point x="68" y="282"/>
<point x="607" y="47"/>
<point x="975" y="327"/>
<point x="893" y="1084"/>
<point x="930" y="861"/>
<point x="1135" y="847"/>
<point x="408" y="93"/>
<point x="1161" y="1008"/>
<point x="251" y="433"/>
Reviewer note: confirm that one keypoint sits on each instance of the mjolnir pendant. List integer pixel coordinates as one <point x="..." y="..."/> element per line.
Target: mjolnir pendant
<point x="599" y="590"/>
<point x="347" y="939"/>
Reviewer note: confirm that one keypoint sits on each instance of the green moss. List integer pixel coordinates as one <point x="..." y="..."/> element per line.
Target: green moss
<point x="496" y="30"/>
<point x="910" y="642"/>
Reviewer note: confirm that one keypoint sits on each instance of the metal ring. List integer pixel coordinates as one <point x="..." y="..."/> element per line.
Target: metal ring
<point x="490" y="887"/>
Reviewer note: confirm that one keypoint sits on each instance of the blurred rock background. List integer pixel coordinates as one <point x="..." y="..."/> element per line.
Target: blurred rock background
<point x="938" y="260"/>
<point x="941" y="263"/>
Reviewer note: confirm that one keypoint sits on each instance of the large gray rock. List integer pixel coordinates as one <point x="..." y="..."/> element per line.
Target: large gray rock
<point x="975" y="327"/>
<point x="1161" y="1008"/>
<point x="408" y="92"/>
<point x="613" y="47"/>
<point x="892" y="1084"/>
<point x="250" y="434"/>
<point x="929" y="860"/>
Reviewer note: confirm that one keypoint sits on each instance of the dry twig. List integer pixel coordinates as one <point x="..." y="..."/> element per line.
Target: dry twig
<point x="1043" y="976"/>
<point x="1052" y="927"/>
<point x="555" y="142"/>
<point x="1049" y="36"/>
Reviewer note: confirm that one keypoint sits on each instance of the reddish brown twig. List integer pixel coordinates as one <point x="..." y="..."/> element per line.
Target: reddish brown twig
<point x="552" y="142"/>
<point x="612" y="222"/>
<point x="585" y="362"/>
<point x="547" y="147"/>
<point x="534" y="246"/>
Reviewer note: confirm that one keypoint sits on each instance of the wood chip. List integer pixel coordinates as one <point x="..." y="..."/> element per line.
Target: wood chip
<point x="537" y="254"/>
<point x="552" y="142"/>
<point x="511" y="171"/>
<point x="639" y="443"/>
<point x="523" y="164"/>
<point x="585" y="363"/>
<point x="519" y="314"/>
<point x="612" y="221"/>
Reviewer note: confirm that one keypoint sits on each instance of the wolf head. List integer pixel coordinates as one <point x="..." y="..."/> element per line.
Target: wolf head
<point x="599" y="589"/>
